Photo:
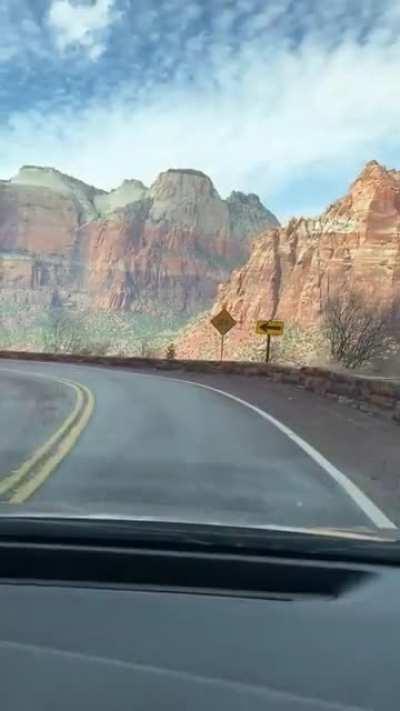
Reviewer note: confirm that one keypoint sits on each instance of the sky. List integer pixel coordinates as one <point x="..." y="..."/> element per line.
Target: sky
<point x="284" y="98"/>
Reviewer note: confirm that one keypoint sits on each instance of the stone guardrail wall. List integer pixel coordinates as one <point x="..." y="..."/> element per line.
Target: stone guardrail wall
<point x="372" y="395"/>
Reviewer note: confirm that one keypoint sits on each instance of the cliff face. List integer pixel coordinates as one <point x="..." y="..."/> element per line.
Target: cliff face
<point x="157" y="249"/>
<point x="292" y="271"/>
<point x="172" y="247"/>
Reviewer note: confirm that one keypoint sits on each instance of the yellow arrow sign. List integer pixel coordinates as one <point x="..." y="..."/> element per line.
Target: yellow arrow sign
<point x="269" y="328"/>
<point x="223" y="322"/>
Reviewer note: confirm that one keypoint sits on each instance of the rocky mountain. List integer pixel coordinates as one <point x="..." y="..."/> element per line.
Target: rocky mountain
<point x="292" y="271"/>
<point x="158" y="249"/>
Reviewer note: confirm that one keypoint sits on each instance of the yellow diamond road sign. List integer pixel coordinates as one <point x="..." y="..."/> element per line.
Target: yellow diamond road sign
<point x="269" y="328"/>
<point x="223" y="322"/>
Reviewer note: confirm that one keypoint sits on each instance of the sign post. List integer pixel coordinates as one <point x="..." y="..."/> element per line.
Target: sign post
<point x="222" y="346"/>
<point x="268" y="350"/>
<point x="268" y="329"/>
<point x="223" y="322"/>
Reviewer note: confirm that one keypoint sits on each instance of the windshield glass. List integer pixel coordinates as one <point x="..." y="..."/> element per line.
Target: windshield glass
<point x="200" y="262"/>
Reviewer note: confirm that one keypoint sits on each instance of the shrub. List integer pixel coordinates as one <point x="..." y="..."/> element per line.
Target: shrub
<point x="170" y="352"/>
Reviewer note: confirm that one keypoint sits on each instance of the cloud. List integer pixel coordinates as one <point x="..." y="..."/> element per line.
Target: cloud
<point x="287" y="103"/>
<point x="82" y="25"/>
<point x="20" y="34"/>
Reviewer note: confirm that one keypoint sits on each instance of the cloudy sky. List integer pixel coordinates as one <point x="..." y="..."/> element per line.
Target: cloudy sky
<point x="285" y="98"/>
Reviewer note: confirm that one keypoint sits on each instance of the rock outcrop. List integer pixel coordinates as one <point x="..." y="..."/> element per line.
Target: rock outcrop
<point x="158" y="249"/>
<point x="292" y="271"/>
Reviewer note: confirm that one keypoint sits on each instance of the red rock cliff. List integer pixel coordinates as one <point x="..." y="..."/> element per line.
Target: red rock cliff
<point x="292" y="270"/>
<point x="157" y="249"/>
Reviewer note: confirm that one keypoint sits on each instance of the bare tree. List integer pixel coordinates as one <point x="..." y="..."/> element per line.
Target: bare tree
<point x="356" y="330"/>
<point x="146" y="348"/>
<point x="395" y="319"/>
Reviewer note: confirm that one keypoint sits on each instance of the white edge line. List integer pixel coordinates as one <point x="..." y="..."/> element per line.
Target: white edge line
<point x="379" y="519"/>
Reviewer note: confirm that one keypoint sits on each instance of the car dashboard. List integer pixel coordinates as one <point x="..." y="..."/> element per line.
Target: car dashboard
<point x="110" y="623"/>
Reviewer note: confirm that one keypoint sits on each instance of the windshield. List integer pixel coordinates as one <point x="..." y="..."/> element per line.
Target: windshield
<point x="200" y="262"/>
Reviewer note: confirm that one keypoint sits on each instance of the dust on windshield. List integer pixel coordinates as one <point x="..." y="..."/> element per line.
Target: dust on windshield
<point x="200" y="262"/>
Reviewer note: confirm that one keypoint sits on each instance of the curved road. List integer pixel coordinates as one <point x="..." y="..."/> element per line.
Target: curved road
<point x="145" y="445"/>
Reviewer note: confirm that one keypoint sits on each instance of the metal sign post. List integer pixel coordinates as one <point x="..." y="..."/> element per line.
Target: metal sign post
<point x="268" y="349"/>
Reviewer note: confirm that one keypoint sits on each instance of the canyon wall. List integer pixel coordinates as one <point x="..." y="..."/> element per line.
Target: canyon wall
<point x="162" y="249"/>
<point x="293" y="270"/>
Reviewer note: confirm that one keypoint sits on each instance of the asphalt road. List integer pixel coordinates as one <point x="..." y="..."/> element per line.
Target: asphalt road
<point x="158" y="447"/>
<point x="30" y="410"/>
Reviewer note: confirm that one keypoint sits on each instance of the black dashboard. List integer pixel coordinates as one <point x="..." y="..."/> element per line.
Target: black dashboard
<point x="88" y="623"/>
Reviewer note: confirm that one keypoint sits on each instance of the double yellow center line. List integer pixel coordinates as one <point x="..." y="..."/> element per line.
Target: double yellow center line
<point x="19" y="485"/>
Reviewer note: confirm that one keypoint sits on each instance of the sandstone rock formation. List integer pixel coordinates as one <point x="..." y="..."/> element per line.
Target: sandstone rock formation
<point x="292" y="271"/>
<point x="158" y="249"/>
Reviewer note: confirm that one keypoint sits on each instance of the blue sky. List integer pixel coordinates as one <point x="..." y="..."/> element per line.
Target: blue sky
<point x="284" y="98"/>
